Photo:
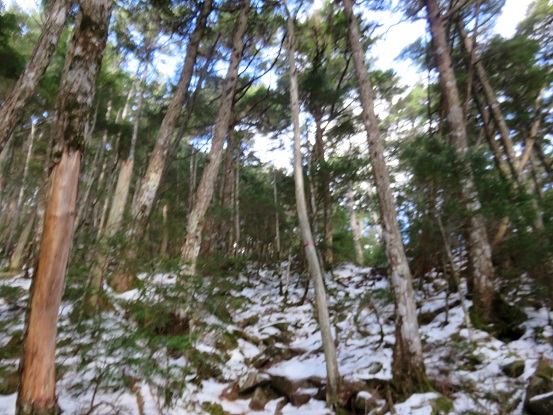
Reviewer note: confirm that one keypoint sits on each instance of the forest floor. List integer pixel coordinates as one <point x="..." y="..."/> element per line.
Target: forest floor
<point x="250" y="344"/>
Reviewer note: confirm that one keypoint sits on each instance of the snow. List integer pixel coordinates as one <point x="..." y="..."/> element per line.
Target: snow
<point x="287" y="331"/>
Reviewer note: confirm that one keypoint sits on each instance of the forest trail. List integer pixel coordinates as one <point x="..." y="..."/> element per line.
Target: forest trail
<point x="268" y="359"/>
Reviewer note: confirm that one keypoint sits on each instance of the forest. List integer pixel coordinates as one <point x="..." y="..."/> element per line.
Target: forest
<point x="225" y="207"/>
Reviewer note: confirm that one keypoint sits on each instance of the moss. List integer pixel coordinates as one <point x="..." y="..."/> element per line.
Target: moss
<point x="214" y="408"/>
<point x="441" y="405"/>
<point x="14" y="348"/>
<point x="9" y="380"/>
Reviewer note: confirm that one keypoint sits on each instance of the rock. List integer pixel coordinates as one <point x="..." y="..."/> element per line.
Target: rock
<point x="514" y="369"/>
<point x="291" y="390"/>
<point x="259" y="399"/>
<point x="375" y="367"/>
<point x="365" y="403"/>
<point x="249" y="321"/>
<point x="539" y="394"/>
<point x="274" y="354"/>
<point x="540" y="404"/>
<point x="251" y="380"/>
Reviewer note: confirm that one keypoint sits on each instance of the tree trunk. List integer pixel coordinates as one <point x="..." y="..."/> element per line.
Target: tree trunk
<point x="333" y="376"/>
<point x="324" y="181"/>
<point x="18" y="206"/>
<point x="355" y="230"/>
<point x="277" y="217"/>
<point x="17" y="255"/>
<point x="12" y="110"/>
<point x="147" y="193"/>
<point x="204" y="193"/>
<point x="479" y="246"/>
<point x="82" y="66"/>
<point x="408" y="364"/>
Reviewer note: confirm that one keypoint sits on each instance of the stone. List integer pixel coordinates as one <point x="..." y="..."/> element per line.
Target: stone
<point x="251" y="380"/>
<point x="514" y="369"/>
<point x="259" y="399"/>
<point x="291" y="390"/>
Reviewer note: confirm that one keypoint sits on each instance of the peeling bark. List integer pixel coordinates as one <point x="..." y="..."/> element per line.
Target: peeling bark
<point x="74" y="102"/>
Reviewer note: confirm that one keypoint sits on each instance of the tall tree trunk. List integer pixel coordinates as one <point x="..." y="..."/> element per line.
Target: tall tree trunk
<point x="18" y="251"/>
<point x="324" y="181"/>
<point x="15" y="221"/>
<point x="204" y="193"/>
<point x="78" y="84"/>
<point x="12" y="110"/>
<point x="277" y="217"/>
<point x="355" y="229"/>
<point x="408" y="364"/>
<point x="151" y="181"/>
<point x="332" y="373"/>
<point x="479" y="246"/>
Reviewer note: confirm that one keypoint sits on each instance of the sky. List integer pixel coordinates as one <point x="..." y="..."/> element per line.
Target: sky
<point x="396" y="35"/>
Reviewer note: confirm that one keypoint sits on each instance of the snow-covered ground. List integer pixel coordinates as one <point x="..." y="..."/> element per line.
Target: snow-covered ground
<point x="105" y="367"/>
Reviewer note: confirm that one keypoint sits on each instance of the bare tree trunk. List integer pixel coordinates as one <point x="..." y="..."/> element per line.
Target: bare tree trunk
<point x="151" y="181"/>
<point x="82" y="66"/>
<point x="204" y="193"/>
<point x="12" y="110"/>
<point x="333" y="376"/>
<point x="15" y="220"/>
<point x="324" y="181"/>
<point x="17" y="255"/>
<point x="408" y="364"/>
<point x="165" y="238"/>
<point x="479" y="246"/>
<point x="277" y="218"/>
<point x="356" y="232"/>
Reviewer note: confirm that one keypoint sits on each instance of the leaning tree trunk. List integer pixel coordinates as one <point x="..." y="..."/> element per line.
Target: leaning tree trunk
<point x="12" y="110"/>
<point x="151" y="181"/>
<point x="119" y="201"/>
<point x="82" y="66"/>
<point x="332" y="373"/>
<point x="408" y="365"/>
<point x="479" y="247"/>
<point x="204" y="193"/>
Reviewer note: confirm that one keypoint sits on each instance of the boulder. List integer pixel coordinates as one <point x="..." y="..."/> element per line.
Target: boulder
<point x="514" y="369"/>
<point x="259" y="399"/>
<point x="540" y="404"/>
<point x="251" y="380"/>
<point x="294" y="391"/>
<point x="539" y="394"/>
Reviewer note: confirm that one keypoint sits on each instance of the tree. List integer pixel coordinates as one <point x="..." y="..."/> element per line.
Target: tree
<point x="82" y="65"/>
<point x="332" y="374"/>
<point x="408" y="365"/>
<point x="479" y="247"/>
<point x="150" y="183"/>
<point x="12" y="109"/>
<point x="204" y="192"/>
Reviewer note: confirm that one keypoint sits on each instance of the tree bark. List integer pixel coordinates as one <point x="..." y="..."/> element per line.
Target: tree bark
<point x="324" y="181"/>
<point x="479" y="247"/>
<point x="408" y="364"/>
<point x="12" y="110"/>
<point x="355" y="229"/>
<point x="78" y="84"/>
<point x="332" y="373"/>
<point x="151" y="181"/>
<point x="204" y="193"/>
